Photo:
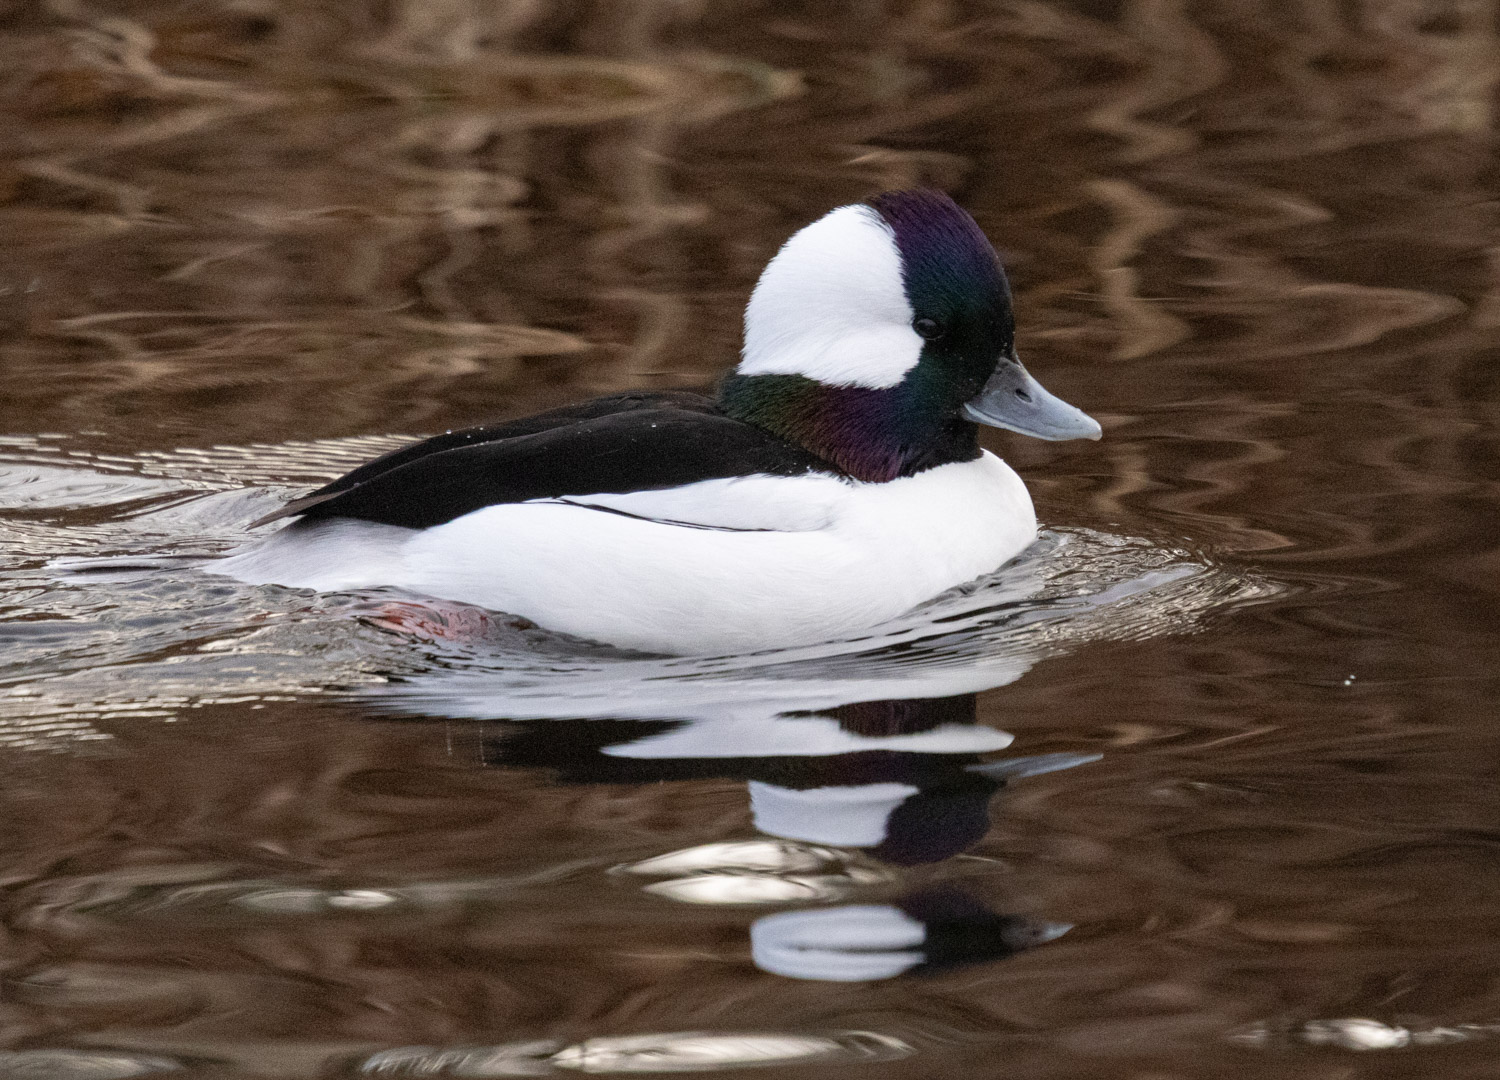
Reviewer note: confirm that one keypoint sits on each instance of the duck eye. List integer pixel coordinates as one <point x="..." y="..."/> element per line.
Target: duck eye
<point x="928" y="328"/>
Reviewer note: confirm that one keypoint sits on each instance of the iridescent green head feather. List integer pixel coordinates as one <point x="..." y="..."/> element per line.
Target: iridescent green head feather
<point x="873" y="334"/>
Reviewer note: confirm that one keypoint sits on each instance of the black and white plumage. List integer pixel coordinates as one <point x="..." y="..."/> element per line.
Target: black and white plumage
<point x="611" y="445"/>
<point x="835" y="482"/>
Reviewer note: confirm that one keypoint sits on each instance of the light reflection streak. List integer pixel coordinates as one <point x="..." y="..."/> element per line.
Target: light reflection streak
<point x="1361" y="1034"/>
<point x="693" y="1051"/>
<point x="64" y="1064"/>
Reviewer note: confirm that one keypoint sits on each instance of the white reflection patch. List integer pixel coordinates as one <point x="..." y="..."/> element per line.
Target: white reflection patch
<point x="1361" y="1034"/>
<point x="687" y="1051"/>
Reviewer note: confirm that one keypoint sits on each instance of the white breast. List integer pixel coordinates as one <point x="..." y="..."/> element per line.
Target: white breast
<point x="746" y="563"/>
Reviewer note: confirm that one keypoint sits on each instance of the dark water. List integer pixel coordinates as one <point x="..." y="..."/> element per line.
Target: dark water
<point x="1204" y="786"/>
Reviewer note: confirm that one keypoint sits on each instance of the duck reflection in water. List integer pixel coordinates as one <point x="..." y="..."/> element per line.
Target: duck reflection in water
<point x="901" y="782"/>
<point x="923" y="932"/>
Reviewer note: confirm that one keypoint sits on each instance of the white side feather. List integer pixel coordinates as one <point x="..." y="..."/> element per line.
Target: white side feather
<point x="759" y="502"/>
<point x="810" y="558"/>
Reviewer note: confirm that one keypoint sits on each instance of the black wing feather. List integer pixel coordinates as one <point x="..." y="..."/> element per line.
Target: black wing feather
<point x="610" y="446"/>
<point x="505" y="429"/>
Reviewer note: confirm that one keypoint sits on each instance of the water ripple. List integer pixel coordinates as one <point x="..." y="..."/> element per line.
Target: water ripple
<point x="103" y="638"/>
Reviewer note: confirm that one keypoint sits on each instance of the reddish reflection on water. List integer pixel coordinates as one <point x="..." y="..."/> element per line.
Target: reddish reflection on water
<point x="1257" y="241"/>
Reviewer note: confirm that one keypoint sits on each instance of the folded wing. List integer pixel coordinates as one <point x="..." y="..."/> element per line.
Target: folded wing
<point x="630" y="443"/>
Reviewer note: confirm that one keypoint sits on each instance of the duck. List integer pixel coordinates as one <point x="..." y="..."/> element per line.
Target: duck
<point x="834" y="482"/>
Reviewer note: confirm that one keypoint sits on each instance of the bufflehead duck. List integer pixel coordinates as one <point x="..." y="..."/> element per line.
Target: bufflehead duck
<point x="836" y="481"/>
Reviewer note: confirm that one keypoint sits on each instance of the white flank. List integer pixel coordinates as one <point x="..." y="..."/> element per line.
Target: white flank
<point x="828" y="557"/>
<point x="756" y="502"/>
<point x="831" y="306"/>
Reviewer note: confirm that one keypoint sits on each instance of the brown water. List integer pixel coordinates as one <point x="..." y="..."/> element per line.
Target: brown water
<point x="1247" y="825"/>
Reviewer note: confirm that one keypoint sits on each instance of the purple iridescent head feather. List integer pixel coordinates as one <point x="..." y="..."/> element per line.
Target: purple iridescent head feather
<point x="952" y="279"/>
<point x="944" y="253"/>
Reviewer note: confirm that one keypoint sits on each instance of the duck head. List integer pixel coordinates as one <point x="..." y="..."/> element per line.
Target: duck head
<point x="881" y="334"/>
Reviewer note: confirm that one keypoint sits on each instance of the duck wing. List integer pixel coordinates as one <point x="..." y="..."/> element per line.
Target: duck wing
<point x="486" y="433"/>
<point x="629" y="443"/>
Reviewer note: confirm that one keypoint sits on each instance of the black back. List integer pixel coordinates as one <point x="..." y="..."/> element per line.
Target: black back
<point x="611" y="445"/>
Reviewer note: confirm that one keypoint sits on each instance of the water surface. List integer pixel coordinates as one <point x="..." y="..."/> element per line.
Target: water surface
<point x="1202" y="786"/>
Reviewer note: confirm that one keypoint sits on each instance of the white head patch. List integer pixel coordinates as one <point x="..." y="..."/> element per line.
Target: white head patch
<point x="831" y="306"/>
